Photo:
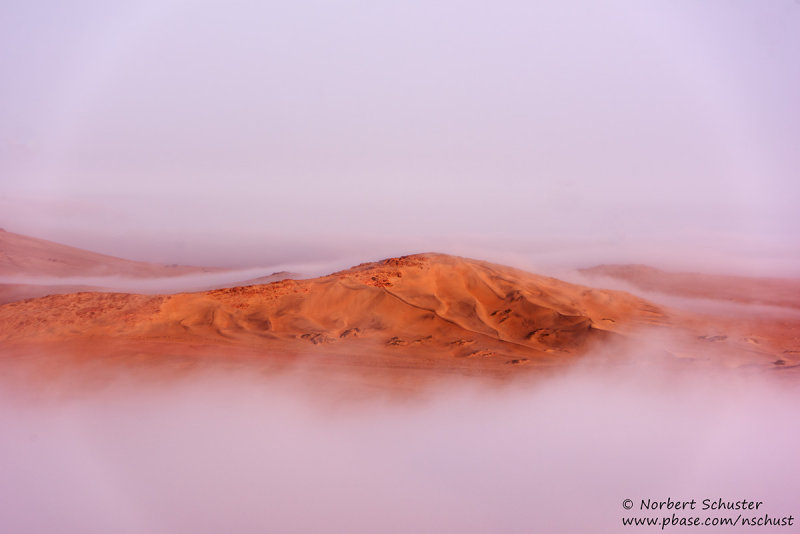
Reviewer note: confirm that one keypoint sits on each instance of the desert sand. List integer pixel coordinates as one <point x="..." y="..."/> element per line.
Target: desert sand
<point x="400" y="322"/>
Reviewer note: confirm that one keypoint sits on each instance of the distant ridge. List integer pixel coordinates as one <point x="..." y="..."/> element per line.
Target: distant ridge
<point x="770" y="291"/>
<point x="24" y="255"/>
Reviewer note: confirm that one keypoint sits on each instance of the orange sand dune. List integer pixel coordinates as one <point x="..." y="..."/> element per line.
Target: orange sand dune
<point x="427" y="314"/>
<point x="420" y="311"/>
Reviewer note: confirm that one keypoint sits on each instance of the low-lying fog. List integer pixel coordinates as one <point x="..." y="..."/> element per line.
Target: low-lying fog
<point x="183" y="282"/>
<point x="545" y="259"/>
<point x="238" y="453"/>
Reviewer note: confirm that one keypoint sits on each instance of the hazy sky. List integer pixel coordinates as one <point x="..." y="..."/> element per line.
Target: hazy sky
<point x="173" y="130"/>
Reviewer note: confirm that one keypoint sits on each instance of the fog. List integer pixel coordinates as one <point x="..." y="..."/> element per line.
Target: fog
<point x="170" y="131"/>
<point x="228" y="451"/>
<point x="183" y="282"/>
<point x="719" y="307"/>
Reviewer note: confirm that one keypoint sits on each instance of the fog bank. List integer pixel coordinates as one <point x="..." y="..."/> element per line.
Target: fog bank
<point x="243" y="454"/>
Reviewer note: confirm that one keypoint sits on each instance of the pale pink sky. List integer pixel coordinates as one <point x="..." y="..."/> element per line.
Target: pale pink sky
<point x="173" y="130"/>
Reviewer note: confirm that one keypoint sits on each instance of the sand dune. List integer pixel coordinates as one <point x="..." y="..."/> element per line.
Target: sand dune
<point x="426" y="313"/>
